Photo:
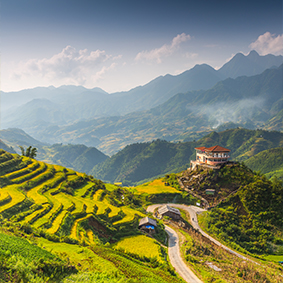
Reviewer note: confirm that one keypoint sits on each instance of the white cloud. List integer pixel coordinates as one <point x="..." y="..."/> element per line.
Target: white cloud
<point x="268" y="44"/>
<point x="189" y="55"/>
<point x="99" y="75"/>
<point x="68" y="66"/>
<point x="158" y="53"/>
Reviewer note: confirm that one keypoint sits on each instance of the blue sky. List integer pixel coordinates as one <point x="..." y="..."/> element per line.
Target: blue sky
<point x="117" y="45"/>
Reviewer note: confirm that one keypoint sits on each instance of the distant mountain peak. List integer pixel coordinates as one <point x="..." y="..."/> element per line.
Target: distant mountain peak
<point x="249" y="65"/>
<point x="253" y="53"/>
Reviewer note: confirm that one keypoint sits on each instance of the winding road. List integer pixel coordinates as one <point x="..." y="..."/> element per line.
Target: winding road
<point x="173" y="248"/>
<point x="176" y="259"/>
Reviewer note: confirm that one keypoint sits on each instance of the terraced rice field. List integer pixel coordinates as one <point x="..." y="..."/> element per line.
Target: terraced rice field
<point x="155" y="187"/>
<point x="140" y="245"/>
<point x="48" y="197"/>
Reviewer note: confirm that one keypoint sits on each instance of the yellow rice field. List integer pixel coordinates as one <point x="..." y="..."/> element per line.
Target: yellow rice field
<point x="155" y="187"/>
<point x="141" y="245"/>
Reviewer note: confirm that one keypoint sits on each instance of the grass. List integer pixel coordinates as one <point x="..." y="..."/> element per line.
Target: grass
<point x="30" y="175"/>
<point x="274" y="257"/>
<point x="197" y="251"/>
<point x="4" y="196"/>
<point x="82" y="257"/>
<point x="140" y="245"/>
<point x="32" y="166"/>
<point x="155" y="187"/>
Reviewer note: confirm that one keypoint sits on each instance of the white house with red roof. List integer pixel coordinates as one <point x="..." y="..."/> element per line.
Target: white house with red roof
<point x="213" y="156"/>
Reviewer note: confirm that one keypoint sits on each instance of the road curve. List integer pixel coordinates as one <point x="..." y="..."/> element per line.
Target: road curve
<point x="174" y="253"/>
<point x="193" y="211"/>
<point x="176" y="259"/>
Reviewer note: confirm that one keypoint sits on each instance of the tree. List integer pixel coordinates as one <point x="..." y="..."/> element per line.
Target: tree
<point x="29" y="152"/>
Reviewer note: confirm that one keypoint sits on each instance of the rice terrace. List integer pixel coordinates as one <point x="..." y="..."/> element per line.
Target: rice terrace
<point x="75" y="228"/>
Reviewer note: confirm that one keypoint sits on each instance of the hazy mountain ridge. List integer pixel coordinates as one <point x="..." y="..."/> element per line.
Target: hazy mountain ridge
<point x="250" y="65"/>
<point x="6" y="147"/>
<point x="248" y="101"/>
<point x="76" y="103"/>
<point x="78" y="156"/>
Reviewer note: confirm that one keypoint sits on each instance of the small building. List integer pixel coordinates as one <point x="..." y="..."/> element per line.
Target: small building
<point x="148" y="225"/>
<point x="169" y="211"/>
<point x="213" y="156"/>
<point x="210" y="191"/>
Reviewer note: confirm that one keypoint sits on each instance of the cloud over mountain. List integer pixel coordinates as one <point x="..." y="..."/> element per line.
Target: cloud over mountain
<point x="268" y="43"/>
<point x="69" y="66"/>
<point x="165" y="50"/>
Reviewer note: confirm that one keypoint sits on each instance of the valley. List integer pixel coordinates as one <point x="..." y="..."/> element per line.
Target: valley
<point x="75" y="206"/>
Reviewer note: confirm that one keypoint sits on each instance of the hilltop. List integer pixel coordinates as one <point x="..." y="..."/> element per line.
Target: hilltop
<point x="221" y="183"/>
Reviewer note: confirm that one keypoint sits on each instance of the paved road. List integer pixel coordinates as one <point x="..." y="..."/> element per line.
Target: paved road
<point x="176" y="259"/>
<point x="193" y="211"/>
<point x="174" y="253"/>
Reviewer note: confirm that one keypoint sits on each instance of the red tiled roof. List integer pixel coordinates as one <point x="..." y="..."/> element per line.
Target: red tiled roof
<point x="201" y="148"/>
<point x="215" y="148"/>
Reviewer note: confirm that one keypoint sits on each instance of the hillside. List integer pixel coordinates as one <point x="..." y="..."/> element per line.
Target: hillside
<point x="250" y="219"/>
<point x="78" y="157"/>
<point x="141" y="161"/>
<point x="225" y="181"/>
<point x="253" y="102"/>
<point x="6" y="147"/>
<point x="16" y="137"/>
<point x="245" y="207"/>
<point x="243" y="143"/>
<point x="268" y="162"/>
<point x="66" y="222"/>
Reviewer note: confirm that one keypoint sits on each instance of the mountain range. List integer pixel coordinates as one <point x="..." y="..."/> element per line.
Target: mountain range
<point x="175" y="108"/>
<point x="251" y="102"/>
<point x="66" y="104"/>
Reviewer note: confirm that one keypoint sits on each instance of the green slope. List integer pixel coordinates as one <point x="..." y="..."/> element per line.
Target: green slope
<point x="142" y="161"/>
<point x="268" y="162"/>
<point x="79" y="157"/>
<point x="74" y="216"/>
<point x="250" y="219"/>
